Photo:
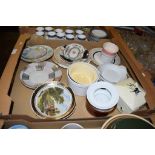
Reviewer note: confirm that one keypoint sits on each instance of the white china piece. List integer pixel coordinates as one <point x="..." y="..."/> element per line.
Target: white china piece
<point x="36" y="74"/>
<point x="102" y="95"/>
<point x="81" y="37"/>
<point x="72" y="126"/>
<point x="79" y="32"/>
<point x="37" y="53"/>
<point x="80" y="76"/>
<point x="113" y="73"/>
<point x="69" y="31"/>
<point x="74" y="51"/>
<point x="95" y="56"/>
<point x="40" y="33"/>
<point x="39" y="28"/>
<point x="69" y="36"/>
<point x="64" y="57"/>
<point x="58" y="30"/>
<point x="99" y="34"/>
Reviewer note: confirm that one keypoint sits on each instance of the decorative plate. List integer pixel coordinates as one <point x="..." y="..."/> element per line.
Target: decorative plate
<point x="37" y="53"/>
<point x="95" y="57"/>
<point x="52" y="100"/>
<point x="36" y="74"/>
<point x="74" y="51"/>
<point x="64" y="62"/>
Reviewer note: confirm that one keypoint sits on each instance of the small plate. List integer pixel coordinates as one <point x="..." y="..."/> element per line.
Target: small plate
<point x="74" y="51"/>
<point x="38" y="73"/>
<point x="37" y="53"/>
<point x="52" y="100"/>
<point x="95" y="57"/>
<point x="61" y="61"/>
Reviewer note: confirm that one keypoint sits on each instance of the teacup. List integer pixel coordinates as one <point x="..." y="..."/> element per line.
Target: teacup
<point x="108" y="52"/>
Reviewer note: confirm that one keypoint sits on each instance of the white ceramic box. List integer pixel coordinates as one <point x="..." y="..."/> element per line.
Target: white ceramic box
<point x="132" y="96"/>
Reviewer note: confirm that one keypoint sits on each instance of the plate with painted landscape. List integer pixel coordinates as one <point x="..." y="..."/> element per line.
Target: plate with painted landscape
<point x="53" y="100"/>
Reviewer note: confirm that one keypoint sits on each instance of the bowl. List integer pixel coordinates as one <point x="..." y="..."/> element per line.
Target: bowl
<point x="70" y="36"/>
<point x="18" y="126"/>
<point x="80" y="76"/>
<point x="72" y="126"/>
<point x="69" y="31"/>
<point x="102" y="97"/>
<point x="127" y="121"/>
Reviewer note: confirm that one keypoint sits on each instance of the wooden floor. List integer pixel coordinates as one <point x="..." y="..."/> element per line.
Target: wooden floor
<point x="8" y="38"/>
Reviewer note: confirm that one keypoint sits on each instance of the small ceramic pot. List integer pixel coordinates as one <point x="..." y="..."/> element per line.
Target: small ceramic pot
<point x="40" y="33"/>
<point x="51" y="35"/>
<point x="48" y="29"/>
<point x="70" y="37"/>
<point x="81" y="37"/>
<point x="58" y="30"/>
<point x="40" y="28"/>
<point x="69" y="31"/>
<point x="79" y="32"/>
<point x="61" y="35"/>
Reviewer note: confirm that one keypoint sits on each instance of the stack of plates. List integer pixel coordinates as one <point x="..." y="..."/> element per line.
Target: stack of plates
<point x="96" y="35"/>
<point x="38" y="73"/>
<point x="37" y="53"/>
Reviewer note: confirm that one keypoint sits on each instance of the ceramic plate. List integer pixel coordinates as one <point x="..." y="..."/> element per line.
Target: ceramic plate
<point x="95" y="57"/>
<point x="74" y="51"/>
<point x="63" y="62"/>
<point x="52" y="100"/>
<point x="37" y="53"/>
<point x="38" y="73"/>
<point x="102" y="95"/>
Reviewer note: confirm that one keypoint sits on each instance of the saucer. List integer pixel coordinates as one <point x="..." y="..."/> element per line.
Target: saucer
<point x="62" y="62"/>
<point x="96" y="58"/>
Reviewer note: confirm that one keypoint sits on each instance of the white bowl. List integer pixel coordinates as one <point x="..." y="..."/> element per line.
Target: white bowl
<point x="102" y="95"/>
<point x="79" y="32"/>
<point x="69" y="36"/>
<point x="48" y="28"/>
<point x="80" y="76"/>
<point x="60" y="34"/>
<point x="58" y="30"/>
<point x="72" y="126"/>
<point x="40" y="28"/>
<point x="40" y="33"/>
<point x="81" y="37"/>
<point x="113" y="73"/>
<point x="69" y="31"/>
